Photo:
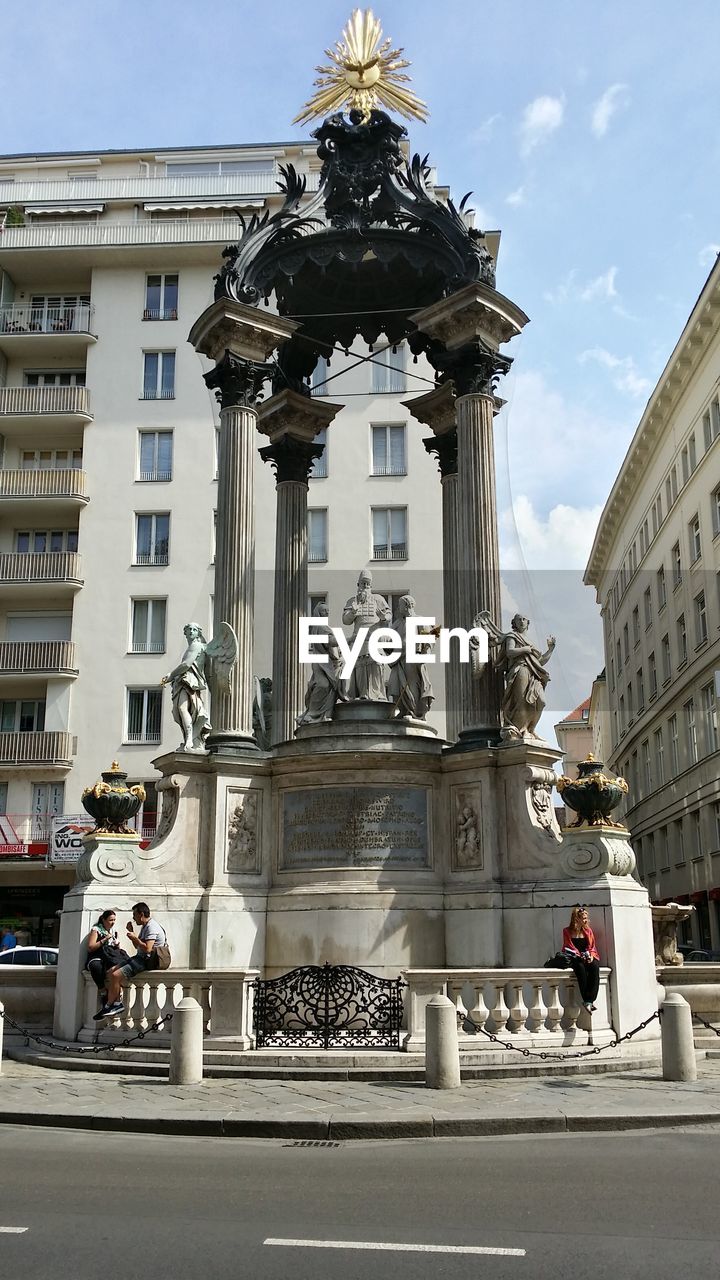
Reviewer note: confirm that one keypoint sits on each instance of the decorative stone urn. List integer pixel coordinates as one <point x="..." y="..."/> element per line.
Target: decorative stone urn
<point x="665" y="922"/>
<point x="111" y="803"/>
<point x="592" y="795"/>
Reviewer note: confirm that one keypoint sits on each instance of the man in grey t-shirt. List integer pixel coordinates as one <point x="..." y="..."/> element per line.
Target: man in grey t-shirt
<point x="150" y="934"/>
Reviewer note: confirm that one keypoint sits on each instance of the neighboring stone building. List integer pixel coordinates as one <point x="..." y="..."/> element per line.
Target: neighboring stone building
<point x="575" y="740"/>
<point x="655" y="564"/>
<point x="108" y="472"/>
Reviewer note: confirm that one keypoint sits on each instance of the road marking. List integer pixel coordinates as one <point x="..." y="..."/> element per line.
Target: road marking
<point x="12" y="1231"/>
<point x="397" y="1248"/>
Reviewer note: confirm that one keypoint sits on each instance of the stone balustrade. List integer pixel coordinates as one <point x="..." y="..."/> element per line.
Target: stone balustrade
<point x="224" y="995"/>
<point x="28" y="994"/>
<point x="530" y="1008"/>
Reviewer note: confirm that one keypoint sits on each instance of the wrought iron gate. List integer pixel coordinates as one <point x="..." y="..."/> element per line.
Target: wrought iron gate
<point x="328" y="1006"/>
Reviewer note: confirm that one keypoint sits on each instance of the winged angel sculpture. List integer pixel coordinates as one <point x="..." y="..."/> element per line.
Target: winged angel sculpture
<point x="201" y="661"/>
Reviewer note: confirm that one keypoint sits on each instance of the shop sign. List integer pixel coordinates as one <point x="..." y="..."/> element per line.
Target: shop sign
<point x="67" y="835"/>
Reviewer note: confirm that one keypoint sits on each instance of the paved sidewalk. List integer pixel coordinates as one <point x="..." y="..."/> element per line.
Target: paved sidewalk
<point x="319" y="1110"/>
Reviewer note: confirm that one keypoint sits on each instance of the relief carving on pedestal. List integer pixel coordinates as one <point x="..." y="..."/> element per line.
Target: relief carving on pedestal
<point x="243" y="809"/>
<point x="543" y="809"/>
<point x="467" y="831"/>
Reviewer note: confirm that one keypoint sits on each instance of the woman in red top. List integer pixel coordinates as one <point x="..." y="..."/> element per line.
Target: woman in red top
<point x="580" y="949"/>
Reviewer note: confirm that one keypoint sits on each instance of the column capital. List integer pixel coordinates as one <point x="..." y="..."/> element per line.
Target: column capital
<point x="436" y="408"/>
<point x="475" y="312"/>
<point x="445" y="449"/>
<point x="242" y="330"/>
<point x="291" y="459"/>
<point x="288" y="413"/>
<point x="473" y="369"/>
<point x="238" y="382"/>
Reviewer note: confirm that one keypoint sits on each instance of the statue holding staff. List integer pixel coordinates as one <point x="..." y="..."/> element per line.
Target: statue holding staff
<point x="525" y="676"/>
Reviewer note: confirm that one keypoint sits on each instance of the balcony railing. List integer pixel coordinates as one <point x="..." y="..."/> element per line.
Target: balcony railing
<point x="389" y="469"/>
<point x="160" y="313"/>
<point x="384" y="551"/>
<point x="46" y="319"/>
<point x="75" y="235"/>
<point x="40" y="566"/>
<point x="156" y="475"/>
<point x="151" y="558"/>
<point x="40" y="400"/>
<point x="18" y="830"/>
<point x="136" y="188"/>
<point x="43" y="484"/>
<point x="36" y="748"/>
<point x="37" y="656"/>
<point x="158" y="393"/>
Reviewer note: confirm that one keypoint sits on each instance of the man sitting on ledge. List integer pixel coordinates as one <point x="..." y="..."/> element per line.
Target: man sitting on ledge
<point x="151" y="935"/>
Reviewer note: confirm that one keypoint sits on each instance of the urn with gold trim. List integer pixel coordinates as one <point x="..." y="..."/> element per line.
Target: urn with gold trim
<point x="112" y="803"/>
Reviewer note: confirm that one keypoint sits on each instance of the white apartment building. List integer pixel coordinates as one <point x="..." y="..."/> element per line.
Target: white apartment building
<point x="655" y="564"/>
<point x="108" y="473"/>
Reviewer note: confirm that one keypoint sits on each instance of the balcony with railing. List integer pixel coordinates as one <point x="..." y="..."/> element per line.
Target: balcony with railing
<point x="85" y="235"/>
<point x="30" y="484"/>
<point x="19" y="320"/>
<point x="57" y="402"/>
<point x="137" y="188"/>
<point x="38" y="657"/>
<point x="46" y="748"/>
<point x="24" y="835"/>
<point x="17" y="567"/>
<point x="390" y="551"/>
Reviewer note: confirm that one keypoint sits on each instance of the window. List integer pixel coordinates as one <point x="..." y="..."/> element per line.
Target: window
<point x="319" y="378"/>
<point x="388" y="368"/>
<point x="635" y="778"/>
<point x="647" y="775"/>
<point x="663" y="849"/>
<point x="148" y="626"/>
<point x="696" y="828"/>
<point x="626" y="642"/>
<point x="650" y="855"/>
<point x="389" y="533"/>
<point x="647" y="602"/>
<point x="691" y="730"/>
<point x="710" y="718"/>
<point x="659" y="756"/>
<point x="40" y="541"/>
<point x="636" y="626"/>
<point x="622" y="713"/>
<point x="640" y="685"/>
<point x="156" y="455"/>
<point x="51" y="459"/>
<point x="674" y="750"/>
<point x="393" y="598"/>
<point x="661" y="588"/>
<point x="319" y="467"/>
<point x="715" y="510"/>
<point x="676" y="565"/>
<point x="161" y="298"/>
<point x="630" y="702"/>
<point x="711" y="423"/>
<point x="671" y="487"/>
<point x="701" y="629"/>
<point x="685" y="462"/>
<point x="152" y="538"/>
<point x="678" y="843"/>
<point x="143" y="715"/>
<point x="55" y="313"/>
<point x="26" y="716"/>
<point x="644" y="538"/>
<point x="66" y="378"/>
<point x="657" y="514"/>
<point x="317" y="534"/>
<point x="666" y="664"/>
<point x="388" y="451"/>
<point x="158" y="375"/>
<point x="694" y="539"/>
<point x="618" y="655"/>
<point x="198" y="168"/>
<point x="682" y="640"/>
<point x="693" y="453"/>
<point x="652" y="670"/>
<point x="314" y="599"/>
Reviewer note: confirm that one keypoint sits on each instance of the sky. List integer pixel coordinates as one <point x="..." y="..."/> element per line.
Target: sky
<point x="587" y="132"/>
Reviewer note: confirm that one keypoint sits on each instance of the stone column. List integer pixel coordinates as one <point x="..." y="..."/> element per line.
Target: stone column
<point x="239" y="338"/>
<point x="292" y="421"/>
<point x="464" y="332"/>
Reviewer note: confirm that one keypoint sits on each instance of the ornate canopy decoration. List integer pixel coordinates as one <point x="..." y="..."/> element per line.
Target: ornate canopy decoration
<point x="364" y="71"/>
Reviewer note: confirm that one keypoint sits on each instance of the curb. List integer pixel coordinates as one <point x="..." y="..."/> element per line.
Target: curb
<point x="361" y="1125"/>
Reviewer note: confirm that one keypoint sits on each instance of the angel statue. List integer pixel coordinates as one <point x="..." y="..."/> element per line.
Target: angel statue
<point x="525" y="676"/>
<point x="189" y="680"/>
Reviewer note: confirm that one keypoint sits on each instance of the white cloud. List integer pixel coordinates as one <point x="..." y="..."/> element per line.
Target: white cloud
<point x="541" y="118"/>
<point x="708" y="254"/>
<point x="561" y="540"/>
<point x="624" y="371"/>
<point x="600" y="287"/>
<point x="614" y="99"/>
<point x="571" y="290"/>
<point x="516" y="197"/>
<point x="484" y="131"/>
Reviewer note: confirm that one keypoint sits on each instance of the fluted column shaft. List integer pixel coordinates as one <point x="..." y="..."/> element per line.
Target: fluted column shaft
<point x="235" y="565"/>
<point x="452" y="611"/>
<point x="478" y="554"/>
<point x="291" y="585"/>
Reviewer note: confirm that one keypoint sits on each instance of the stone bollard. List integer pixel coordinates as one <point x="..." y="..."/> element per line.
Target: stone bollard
<point x="442" y="1057"/>
<point x="678" y="1046"/>
<point x="186" y="1043"/>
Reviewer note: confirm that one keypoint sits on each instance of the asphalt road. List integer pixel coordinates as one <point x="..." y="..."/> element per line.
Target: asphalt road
<point x="568" y="1207"/>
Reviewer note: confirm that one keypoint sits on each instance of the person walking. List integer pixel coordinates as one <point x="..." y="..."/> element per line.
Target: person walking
<point x="150" y="934"/>
<point x="581" y="950"/>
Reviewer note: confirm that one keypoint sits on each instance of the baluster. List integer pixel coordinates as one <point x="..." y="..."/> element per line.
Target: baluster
<point x="454" y="993"/>
<point x="571" y="1000"/>
<point x="152" y="1003"/>
<point x="205" y="1001"/>
<point x="518" y="1009"/>
<point x="478" y="1015"/>
<point x="499" y="1011"/>
<point x="537" y="1010"/>
<point x="554" y="1013"/>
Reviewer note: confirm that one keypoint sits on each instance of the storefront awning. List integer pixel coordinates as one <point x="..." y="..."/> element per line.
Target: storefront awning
<point x="64" y="208"/>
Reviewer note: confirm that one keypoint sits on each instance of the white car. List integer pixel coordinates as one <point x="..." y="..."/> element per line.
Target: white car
<point x="30" y="955"/>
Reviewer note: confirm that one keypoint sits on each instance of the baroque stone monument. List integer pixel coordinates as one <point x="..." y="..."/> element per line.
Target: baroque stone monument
<point x="350" y="831"/>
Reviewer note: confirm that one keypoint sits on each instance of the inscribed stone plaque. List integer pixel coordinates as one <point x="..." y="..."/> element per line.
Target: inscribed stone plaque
<point x="364" y="826"/>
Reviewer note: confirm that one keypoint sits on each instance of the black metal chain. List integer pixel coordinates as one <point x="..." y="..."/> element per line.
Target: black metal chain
<point x="563" y="1057"/>
<point x="708" y="1025"/>
<point x="79" y="1048"/>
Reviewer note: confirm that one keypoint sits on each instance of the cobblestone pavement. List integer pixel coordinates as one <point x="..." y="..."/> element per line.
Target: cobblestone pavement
<point x="36" y="1095"/>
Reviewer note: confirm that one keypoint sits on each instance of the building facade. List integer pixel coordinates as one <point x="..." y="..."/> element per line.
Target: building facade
<point x="655" y="564"/>
<point x="108" y="475"/>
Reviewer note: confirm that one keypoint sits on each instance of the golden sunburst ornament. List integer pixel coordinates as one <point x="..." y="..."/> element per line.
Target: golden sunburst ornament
<point x="364" y="71"/>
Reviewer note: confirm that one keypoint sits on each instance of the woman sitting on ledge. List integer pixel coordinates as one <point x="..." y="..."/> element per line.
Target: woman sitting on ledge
<point x="580" y="949"/>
